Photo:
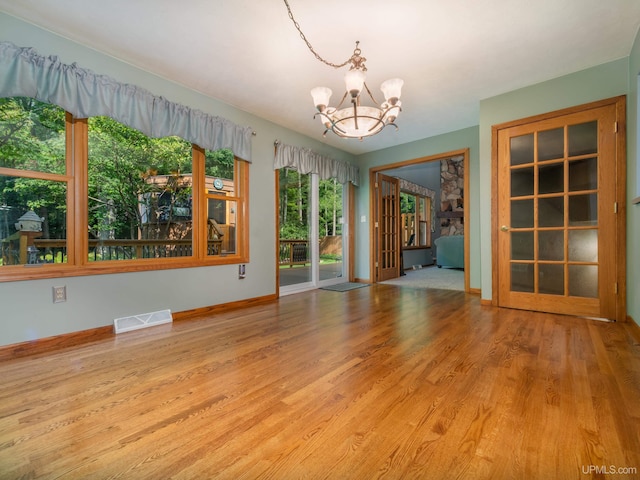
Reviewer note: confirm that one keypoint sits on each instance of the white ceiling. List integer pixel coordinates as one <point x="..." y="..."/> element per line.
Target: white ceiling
<point x="450" y="53"/>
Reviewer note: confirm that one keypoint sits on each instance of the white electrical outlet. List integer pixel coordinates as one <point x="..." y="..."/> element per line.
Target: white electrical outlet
<point x="59" y="294"/>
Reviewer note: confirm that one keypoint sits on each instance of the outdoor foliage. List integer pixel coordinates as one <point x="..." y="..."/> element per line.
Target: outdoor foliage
<point x="407" y="203"/>
<point x="32" y="137"/>
<point x="121" y="163"/>
<point x="123" y="166"/>
<point x="295" y="207"/>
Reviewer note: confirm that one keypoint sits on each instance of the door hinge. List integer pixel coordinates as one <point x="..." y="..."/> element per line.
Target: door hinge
<point x="376" y="264"/>
<point x="615" y="127"/>
<point x="615" y="288"/>
<point x="375" y="224"/>
<point x="615" y="207"/>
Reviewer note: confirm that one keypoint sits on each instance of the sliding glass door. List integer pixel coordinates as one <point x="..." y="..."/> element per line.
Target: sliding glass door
<point x="294" y="210"/>
<point x="330" y="230"/>
<point x="311" y="232"/>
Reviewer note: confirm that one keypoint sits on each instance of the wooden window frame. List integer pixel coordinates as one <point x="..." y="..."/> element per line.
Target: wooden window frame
<point x="77" y="218"/>
<point x="427" y="216"/>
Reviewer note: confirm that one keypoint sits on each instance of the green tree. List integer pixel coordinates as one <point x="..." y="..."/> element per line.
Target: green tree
<point x="32" y="137"/>
<point x="330" y="193"/>
<point x="219" y="163"/>
<point x="294" y="204"/>
<point x="122" y="161"/>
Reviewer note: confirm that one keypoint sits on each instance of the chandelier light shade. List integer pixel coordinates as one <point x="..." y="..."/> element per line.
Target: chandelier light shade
<point x="391" y="89"/>
<point x="321" y="96"/>
<point x="355" y="120"/>
<point x="354" y="79"/>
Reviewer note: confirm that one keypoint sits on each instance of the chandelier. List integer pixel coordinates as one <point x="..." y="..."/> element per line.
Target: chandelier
<point x="355" y="120"/>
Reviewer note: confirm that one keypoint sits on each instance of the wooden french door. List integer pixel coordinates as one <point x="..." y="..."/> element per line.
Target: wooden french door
<point x="387" y="227"/>
<point x="559" y="231"/>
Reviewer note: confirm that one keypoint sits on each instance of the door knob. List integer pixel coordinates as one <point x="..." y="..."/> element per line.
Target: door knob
<point x="504" y="228"/>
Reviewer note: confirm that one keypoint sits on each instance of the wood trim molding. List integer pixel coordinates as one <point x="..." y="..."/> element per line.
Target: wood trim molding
<point x="633" y="328"/>
<point x="83" y="337"/>
<point x="351" y="242"/>
<point x="58" y="342"/>
<point x="494" y="215"/>
<point x="562" y="112"/>
<point x="223" y="307"/>
<point x="277" y="224"/>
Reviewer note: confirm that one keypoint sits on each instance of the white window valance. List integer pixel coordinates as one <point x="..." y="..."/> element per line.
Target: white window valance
<point x="305" y="160"/>
<point x="24" y="73"/>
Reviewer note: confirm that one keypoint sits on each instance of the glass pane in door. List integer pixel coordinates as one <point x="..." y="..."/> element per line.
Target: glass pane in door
<point x="551" y="212"/>
<point x="551" y="279"/>
<point x="583" y="245"/>
<point x="522" y="244"/>
<point x="522" y="277"/>
<point x="583" y="139"/>
<point x="522" y="149"/>
<point x="295" y="214"/>
<point x="583" y="281"/>
<point x="583" y="174"/>
<point x="551" y="245"/>
<point x="550" y="144"/>
<point x="522" y="181"/>
<point x="583" y="209"/>
<point x="554" y="211"/>
<point x="522" y="213"/>
<point x="551" y="178"/>
<point x="330" y="229"/>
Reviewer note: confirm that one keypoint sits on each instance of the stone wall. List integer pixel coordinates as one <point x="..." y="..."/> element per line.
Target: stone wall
<point x="452" y="196"/>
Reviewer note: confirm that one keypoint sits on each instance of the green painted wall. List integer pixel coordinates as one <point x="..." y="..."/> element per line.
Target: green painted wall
<point x="26" y="308"/>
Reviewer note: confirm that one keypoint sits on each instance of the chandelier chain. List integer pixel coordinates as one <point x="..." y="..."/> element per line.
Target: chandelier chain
<point x="302" y="35"/>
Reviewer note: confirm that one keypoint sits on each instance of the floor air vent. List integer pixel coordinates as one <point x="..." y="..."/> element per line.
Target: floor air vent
<point x="135" y="322"/>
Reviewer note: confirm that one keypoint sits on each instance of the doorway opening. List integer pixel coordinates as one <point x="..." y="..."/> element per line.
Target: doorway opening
<point x="408" y="219"/>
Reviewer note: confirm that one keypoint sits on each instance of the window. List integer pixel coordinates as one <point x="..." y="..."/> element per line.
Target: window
<point x="223" y="195"/>
<point x="139" y="194"/>
<point x="34" y="185"/>
<point x="415" y="215"/>
<point x="78" y="193"/>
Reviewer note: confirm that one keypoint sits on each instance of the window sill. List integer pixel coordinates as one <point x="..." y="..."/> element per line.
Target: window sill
<point x="43" y="271"/>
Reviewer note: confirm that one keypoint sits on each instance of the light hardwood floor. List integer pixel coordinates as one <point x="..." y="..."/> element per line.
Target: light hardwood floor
<point x="379" y="382"/>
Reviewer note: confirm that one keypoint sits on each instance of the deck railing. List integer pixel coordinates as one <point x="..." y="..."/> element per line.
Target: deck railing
<point x="55" y="251"/>
<point x="294" y="252"/>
